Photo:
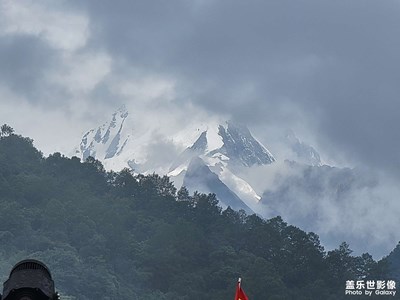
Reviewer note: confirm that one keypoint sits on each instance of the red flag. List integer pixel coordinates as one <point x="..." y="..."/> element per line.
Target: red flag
<point x="240" y="295"/>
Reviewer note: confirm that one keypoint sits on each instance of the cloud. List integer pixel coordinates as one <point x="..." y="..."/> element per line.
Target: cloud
<point x="23" y="61"/>
<point x="49" y="21"/>
<point x="330" y="70"/>
<point x="332" y="66"/>
<point x="160" y="153"/>
<point x="339" y="204"/>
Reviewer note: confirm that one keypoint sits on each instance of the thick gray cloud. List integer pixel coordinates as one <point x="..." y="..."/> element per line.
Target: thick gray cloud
<point x="331" y="65"/>
<point x="23" y="64"/>
<point x="333" y="62"/>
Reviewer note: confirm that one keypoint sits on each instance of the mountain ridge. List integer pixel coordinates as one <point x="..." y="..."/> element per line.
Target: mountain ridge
<point x="126" y="236"/>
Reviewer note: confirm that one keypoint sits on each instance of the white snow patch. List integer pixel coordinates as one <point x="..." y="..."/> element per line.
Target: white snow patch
<point x="214" y="140"/>
<point x="178" y="170"/>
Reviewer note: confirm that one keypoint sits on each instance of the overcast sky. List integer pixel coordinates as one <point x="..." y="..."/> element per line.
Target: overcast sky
<point x="330" y="70"/>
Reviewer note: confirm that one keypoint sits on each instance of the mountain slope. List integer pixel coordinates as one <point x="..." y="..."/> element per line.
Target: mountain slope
<point x="199" y="177"/>
<point x="115" y="235"/>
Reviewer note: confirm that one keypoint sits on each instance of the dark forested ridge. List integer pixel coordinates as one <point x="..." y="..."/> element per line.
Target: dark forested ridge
<point x="108" y="235"/>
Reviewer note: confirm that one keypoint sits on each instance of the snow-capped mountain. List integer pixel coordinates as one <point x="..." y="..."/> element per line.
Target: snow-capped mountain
<point x="222" y="150"/>
<point x="107" y="141"/>
<point x="210" y="155"/>
<point x="120" y="143"/>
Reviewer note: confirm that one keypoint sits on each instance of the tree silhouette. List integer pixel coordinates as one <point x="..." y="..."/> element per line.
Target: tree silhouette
<point x="6" y="130"/>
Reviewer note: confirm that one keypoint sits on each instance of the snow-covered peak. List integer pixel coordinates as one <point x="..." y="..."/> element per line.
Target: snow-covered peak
<point x="234" y="142"/>
<point x="303" y="152"/>
<point x="241" y="147"/>
<point x="208" y="141"/>
<point x="122" y="111"/>
<point x="107" y="141"/>
<point x="222" y="148"/>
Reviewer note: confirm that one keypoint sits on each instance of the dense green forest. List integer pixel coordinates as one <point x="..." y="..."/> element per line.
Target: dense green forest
<point x="116" y="235"/>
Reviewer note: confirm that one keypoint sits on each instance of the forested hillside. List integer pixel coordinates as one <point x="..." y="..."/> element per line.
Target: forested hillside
<point x="108" y="235"/>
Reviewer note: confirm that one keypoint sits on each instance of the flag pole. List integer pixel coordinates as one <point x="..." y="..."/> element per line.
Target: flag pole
<point x="240" y="295"/>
